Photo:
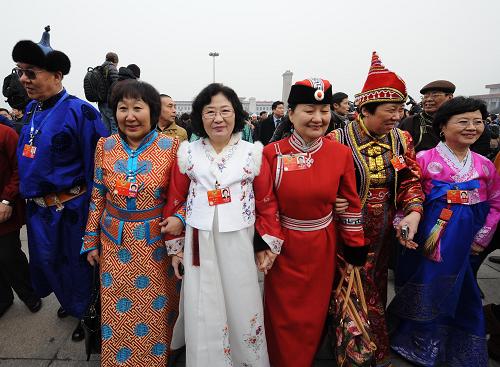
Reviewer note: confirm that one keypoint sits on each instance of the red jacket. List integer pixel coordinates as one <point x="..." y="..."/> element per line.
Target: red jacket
<point x="9" y="180"/>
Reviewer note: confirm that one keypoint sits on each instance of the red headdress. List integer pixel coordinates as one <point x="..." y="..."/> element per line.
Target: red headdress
<point x="381" y="85"/>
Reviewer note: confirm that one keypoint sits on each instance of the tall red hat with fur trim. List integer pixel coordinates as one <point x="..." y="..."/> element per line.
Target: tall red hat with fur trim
<point x="381" y="85"/>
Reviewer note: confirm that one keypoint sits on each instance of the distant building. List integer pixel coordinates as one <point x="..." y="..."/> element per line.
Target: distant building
<point x="492" y="99"/>
<point x="250" y="105"/>
<point x="287" y="86"/>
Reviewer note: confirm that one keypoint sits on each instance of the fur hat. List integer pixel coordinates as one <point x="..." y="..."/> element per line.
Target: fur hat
<point x="41" y="54"/>
<point x="381" y="85"/>
<point x="311" y="91"/>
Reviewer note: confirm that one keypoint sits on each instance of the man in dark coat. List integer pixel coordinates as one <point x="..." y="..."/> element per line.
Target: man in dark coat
<point x="265" y="129"/>
<point x="420" y="125"/>
<point x="340" y="109"/>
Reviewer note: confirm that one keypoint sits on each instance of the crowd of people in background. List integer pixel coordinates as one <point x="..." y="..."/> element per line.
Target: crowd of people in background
<point x="181" y="212"/>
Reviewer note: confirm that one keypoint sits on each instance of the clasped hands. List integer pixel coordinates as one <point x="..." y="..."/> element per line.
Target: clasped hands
<point x="265" y="260"/>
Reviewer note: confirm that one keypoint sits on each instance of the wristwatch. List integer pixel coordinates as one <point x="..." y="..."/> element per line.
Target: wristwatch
<point x="6" y="202"/>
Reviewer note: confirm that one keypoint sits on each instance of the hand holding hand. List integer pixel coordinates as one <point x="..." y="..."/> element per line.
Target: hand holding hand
<point x="5" y="212"/>
<point x="93" y="257"/>
<point x="341" y="205"/>
<point x="172" y="226"/>
<point x="177" y="259"/>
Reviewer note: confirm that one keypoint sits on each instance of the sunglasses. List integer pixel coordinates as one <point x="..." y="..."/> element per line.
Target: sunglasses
<point x="30" y="73"/>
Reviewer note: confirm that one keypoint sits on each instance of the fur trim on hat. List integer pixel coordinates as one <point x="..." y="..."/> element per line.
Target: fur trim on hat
<point x="28" y="52"/>
<point x="58" y="61"/>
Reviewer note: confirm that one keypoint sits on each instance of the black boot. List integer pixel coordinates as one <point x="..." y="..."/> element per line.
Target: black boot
<point x="174" y="356"/>
<point x="61" y="313"/>
<point x="78" y="333"/>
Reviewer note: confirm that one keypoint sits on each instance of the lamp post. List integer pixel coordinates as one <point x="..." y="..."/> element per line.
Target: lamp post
<point x="213" y="55"/>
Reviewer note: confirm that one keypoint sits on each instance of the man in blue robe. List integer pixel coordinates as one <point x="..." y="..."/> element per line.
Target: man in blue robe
<point x="56" y="159"/>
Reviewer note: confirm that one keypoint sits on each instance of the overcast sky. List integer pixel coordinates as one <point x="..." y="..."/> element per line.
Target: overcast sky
<point x="457" y="40"/>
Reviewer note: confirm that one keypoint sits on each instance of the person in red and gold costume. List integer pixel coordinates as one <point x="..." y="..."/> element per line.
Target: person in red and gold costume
<point x="388" y="179"/>
<point x="309" y="172"/>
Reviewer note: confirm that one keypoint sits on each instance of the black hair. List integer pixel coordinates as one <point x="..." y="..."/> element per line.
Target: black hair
<point x="185" y="116"/>
<point x="165" y="95"/>
<point x="136" y="70"/>
<point x="276" y="104"/>
<point x="339" y="97"/>
<point x="456" y="106"/>
<point x="132" y="88"/>
<point x="262" y="112"/>
<point x="4" y="109"/>
<point x="205" y="97"/>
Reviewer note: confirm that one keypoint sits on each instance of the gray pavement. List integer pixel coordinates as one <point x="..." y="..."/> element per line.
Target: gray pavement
<point x="42" y="339"/>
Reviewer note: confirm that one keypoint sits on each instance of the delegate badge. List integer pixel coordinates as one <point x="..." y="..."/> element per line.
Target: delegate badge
<point x="126" y="188"/>
<point x="219" y="196"/>
<point x="29" y="151"/>
<point x="398" y="163"/>
<point x="457" y="197"/>
<point x="295" y="162"/>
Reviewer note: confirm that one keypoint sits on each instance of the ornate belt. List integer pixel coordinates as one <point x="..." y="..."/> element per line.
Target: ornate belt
<point x="378" y="195"/>
<point x="59" y="198"/>
<point x="306" y="225"/>
<point x="127" y="215"/>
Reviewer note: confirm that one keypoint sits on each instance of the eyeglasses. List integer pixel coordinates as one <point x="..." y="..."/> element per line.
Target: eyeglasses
<point x="30" y="73"/>
<point x="466" y="123"/>
<point x="225" y="113"/>
<point x="433" y="94"/>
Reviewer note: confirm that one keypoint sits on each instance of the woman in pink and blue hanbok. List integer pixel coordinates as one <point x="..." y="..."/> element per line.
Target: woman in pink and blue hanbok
<point x="436" y="317"/>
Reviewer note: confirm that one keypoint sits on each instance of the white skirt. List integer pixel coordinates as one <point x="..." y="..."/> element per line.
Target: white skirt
<point x="221" y="317"/>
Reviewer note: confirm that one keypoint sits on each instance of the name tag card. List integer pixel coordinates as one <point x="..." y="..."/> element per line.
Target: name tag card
<point x="457" y="197"/>
<point x="295" y="162"/>
<point x="398" y="163"/>
<point x="126" y="188"/>
<point x="29" y="151"/>
<point x="219" y="196"/>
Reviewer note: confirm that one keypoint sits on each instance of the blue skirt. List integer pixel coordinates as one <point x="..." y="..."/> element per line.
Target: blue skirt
<point x="436" y="316"/>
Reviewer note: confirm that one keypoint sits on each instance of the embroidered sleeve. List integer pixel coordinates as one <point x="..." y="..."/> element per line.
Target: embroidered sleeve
<point x="178" y="189"/>
<point x="268" y="230"/>
<point x="97" y="202"/>
<point x="410" y="196"/>
<point x="485" y="234"/>
<point x="350" y="222"/>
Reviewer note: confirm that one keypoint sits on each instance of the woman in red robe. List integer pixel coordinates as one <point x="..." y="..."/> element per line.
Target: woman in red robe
<point x="309" y="172"/>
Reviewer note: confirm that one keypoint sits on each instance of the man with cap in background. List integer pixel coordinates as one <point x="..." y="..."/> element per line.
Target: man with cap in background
<point x="419" y="126"/>
<point x="56" y="161"/>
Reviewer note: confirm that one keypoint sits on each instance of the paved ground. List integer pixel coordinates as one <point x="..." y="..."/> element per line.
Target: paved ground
<point x="42" y="340"/>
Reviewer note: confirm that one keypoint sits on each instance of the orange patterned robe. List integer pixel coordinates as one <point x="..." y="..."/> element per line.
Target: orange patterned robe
<point x="139" y="291"/>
